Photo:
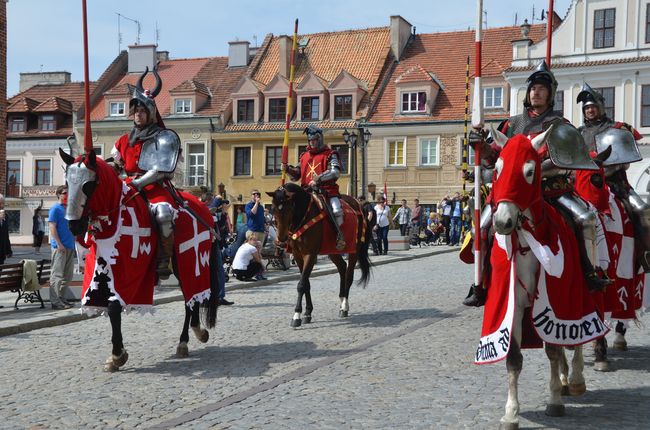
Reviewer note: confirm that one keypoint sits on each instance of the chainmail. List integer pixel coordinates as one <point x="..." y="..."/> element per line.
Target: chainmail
<point x="524" y="124"/>
<point x="593" y="128"/>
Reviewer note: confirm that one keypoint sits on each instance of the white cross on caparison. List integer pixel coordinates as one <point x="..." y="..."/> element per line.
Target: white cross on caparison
<point x="194" y="242"/>
<point x="136" y="231"/>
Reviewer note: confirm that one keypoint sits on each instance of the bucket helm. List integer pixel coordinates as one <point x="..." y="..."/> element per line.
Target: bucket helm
<point x="142" y="97"/>
<point x="588" y="96"/>
<point x="542" y="75"/>
<point x="314" y="133"/>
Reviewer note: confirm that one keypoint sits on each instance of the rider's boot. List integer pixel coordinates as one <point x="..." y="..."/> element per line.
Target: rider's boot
<point x="165" y="252"/>
<point x="476" y="296"/>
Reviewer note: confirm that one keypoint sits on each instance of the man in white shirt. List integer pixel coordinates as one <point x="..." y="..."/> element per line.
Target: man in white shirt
<point x="403" y="217"/>
<point x="247" y="263"/>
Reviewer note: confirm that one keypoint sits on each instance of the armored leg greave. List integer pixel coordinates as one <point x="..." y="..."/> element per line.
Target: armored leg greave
<point x="165" y="222"/>
<point x="337" y="212"/>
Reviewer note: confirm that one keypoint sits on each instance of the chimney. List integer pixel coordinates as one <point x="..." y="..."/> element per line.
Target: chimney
<point x="238" y="53"/>
<point x="28" y="80"/>
<point x="400" y="33"/>
<point x="162" y="55"/>
<point x="284" y="45"/>
<point x="141" y="57"/>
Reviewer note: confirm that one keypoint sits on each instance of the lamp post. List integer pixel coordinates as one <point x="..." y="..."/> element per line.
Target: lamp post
<point x="365" y="138"/>
<point x="351" y="140"/>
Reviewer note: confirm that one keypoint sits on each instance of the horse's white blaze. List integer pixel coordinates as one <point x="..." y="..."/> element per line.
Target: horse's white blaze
<point x="344" y="304"/>
<point x="529" y="171"/>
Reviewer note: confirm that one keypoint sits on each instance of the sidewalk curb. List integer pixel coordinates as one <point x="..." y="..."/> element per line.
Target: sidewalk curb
<point x="68" y="317"/>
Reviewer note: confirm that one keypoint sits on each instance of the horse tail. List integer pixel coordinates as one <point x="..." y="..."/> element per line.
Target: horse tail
<point x="362" y="253"/>
<point x="209" y="307"/>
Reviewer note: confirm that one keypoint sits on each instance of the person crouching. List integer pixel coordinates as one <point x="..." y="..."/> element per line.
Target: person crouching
<point x="247" y="264"/>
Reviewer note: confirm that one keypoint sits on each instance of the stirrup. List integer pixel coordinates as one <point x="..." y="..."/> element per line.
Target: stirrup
<point x="340" y="242"/>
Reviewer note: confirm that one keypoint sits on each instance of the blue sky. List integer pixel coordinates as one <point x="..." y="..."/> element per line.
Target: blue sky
<point x="47" y="34"/>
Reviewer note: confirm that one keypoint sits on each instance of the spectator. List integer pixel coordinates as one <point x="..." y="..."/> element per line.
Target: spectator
<point x="416" y="216"/>
<point x="383" y="222"/>
<point x="221" y="229"/>
<point x="445" y="207"/>
<point x="38" y="228"/>
<point x="403" y="217"/>
<point x="240" y="217"/>
<point x="62" y="242"/>
<point x="455" y="222"/>
<point x="371" y="216"/>
<point x="248" y="260"/>
<point x="255" y="215"/>
<point x="5" y="245"/>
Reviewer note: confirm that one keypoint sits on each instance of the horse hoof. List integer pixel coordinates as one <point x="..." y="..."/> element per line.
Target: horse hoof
<point x="508" y="426"/>
<point x="601" y="366"/>
<point x="555" y="410"/>
<point x="565" y="390"/>
<point x="343" y="314"/>
<point x="296" y="323"/>
<point x="620" y="345"/>
<point x="110" y="367"/>
<point x="306" y="319"/>
<point x="182" y="351"/>
<point x="205" y="336"/>
<point x="577" y="390"/>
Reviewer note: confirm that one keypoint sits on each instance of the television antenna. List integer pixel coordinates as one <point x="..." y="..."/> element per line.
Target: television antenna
<point x="119" y="32"/>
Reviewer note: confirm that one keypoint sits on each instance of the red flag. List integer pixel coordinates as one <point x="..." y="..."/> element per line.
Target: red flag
<point x="385" y="193"/>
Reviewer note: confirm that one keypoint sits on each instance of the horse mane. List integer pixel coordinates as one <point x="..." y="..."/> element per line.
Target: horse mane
<point x="301" y="201"/>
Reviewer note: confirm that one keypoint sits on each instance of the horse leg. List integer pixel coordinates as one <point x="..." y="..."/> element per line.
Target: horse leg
<point x="555" y="405"/>
<point x="119" y="355"/>
<point x="201" y="334"/>
<point x="564" y="373"/>
<point x="577" y="385"/>
<point x="341" y="266"/>
<point x="306" y="264"/>
<point x="619" y="337"/>
<point x="349" y="278"/>
<point x="182" y="350"/>
<point x="514" y="364"/>
<point x="601" y="364"/>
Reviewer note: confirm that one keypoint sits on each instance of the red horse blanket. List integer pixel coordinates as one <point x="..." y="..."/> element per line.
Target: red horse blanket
<point x="121" y="263"/>
<point x="563" y="311"/>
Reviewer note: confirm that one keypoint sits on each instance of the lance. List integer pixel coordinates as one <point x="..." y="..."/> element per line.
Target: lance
<point x="549" y="32"/>
<point x="285" y="144"/>
<point x="88" y="142"/>
<point x="465" y="138"/>
<point x="477" y="123"/>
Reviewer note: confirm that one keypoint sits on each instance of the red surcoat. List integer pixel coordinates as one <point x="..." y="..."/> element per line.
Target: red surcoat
<point x="316" y="164"/>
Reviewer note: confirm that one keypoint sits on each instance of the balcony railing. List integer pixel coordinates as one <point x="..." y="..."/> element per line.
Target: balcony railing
<point x="13" y="190"/>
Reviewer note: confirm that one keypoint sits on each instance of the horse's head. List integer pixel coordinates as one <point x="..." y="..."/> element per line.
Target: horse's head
<point x="284" y="207"/>
<point x="517" y="178"/>
<point x="81" y="177"/>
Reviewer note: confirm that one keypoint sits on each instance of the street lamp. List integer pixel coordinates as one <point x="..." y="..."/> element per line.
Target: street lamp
<point x="365" y="134"/>
<point x="351" y="140"/>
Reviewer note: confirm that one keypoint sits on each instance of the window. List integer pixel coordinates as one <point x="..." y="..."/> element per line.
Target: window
<point x="17" y="124"/>
<point x="559" y="101"/>
<point x="99" y="150"/>
<point x="344" y="155"/>
<point x="245" y="110"/>
<point x="277" y="110"/>
<point x="183" y="106"/>
<point x="13" y="178"/>
<point x="429" y="151"/>
<point x="242" y="161"/>
<point x="301" y="150"/>
<point x="48" y="123"/>
<point x="396" y="149"/>
<point x="273" y="160"/>
<point x="493" y="97"/>
<point x="604" y="22"/>
<point x="13" y="220"/>
<point x="117" y="108"/>
<point x="310" y="106"/>
<point x="42" y="172"/>
<point x="414" y="102"/>
<point x="647" y="23"/>
<point x="608" y="93"/>
<point x="645" y="106"/>
<point x="342" y="107"/>
<point x="196" y="165"/>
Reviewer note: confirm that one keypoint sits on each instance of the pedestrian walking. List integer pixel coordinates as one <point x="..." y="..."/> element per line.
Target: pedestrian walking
<point x="62" y="242"/>
<point x="384" y="221"/>
<point x="38" y="228"/>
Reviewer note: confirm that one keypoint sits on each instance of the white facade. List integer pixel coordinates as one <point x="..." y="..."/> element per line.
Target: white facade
<point x="581" y="52"/>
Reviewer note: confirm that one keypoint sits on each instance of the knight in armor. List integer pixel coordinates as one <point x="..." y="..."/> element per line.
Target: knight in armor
<point x="319" y="169"/>
<point x="602" y="133"/>
<point x="148" y="156"/>
<point x="537" y="117"/>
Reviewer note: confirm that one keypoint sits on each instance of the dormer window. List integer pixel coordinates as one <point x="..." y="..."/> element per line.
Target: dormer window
<point x="182" y="106"/>
<point x="343" y="107"/>
<point x="310" y="108"/>
<point x="277" y="109"/>
<point x="17" y="124"/>
<point x="245" y="110"/>
<point x="604" y="26"/>
<point x="117" y="108"/>
<point x="48" y="123"/>
<point x="493" y="97"/>
<point x="414" y="102"/>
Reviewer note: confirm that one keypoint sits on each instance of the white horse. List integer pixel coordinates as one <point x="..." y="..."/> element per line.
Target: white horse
<point x="520" y="160"/>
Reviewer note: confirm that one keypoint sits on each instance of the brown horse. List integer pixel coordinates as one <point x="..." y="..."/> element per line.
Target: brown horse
<point x="300" y="223"/>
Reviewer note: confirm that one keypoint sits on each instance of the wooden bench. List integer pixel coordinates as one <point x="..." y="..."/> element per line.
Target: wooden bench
<point x="11" y="279"/>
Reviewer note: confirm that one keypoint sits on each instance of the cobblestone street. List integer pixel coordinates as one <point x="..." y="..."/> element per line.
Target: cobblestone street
<point x="403" y="359"/>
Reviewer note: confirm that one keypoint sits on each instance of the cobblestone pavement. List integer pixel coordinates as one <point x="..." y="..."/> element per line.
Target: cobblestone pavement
<point x="403" y="359"/>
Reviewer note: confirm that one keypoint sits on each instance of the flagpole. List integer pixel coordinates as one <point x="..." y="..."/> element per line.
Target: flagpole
<point x="477" y="123"/>
<point x="88" y="142"/>
<point x="287" y="124"/>
<point x="465" y="142"/>
<point x="549" y="32"/>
